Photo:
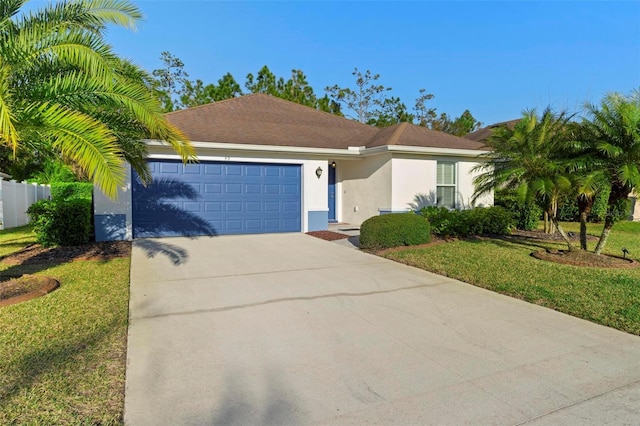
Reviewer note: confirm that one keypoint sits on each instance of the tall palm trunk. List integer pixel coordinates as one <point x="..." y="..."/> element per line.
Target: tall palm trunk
<point x="547" y="227"/>
<point x="585" y="204"/>
<point x="557" y="225"/>
<point x="608" y="224"/>
<point x="618" y="192"/>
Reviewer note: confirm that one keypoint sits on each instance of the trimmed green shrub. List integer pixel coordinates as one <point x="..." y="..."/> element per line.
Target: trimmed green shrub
<point x="62" y="222"/>
<point x="463" y="223"/>
<point x="71" y="191"/>
<point x="495" y="220"/>
<point x="525" y="215"/>
<point x="441" y="219"/>
<point x="394" y="230"/>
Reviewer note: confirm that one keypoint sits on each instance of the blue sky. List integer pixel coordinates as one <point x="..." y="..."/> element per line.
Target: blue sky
<point x="494" y="58"/>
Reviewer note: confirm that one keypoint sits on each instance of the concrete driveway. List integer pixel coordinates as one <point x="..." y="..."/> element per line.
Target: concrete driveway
<point x="290" y="329"/>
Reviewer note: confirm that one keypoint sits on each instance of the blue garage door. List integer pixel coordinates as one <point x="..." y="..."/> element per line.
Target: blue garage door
<point x="212" y="198"/>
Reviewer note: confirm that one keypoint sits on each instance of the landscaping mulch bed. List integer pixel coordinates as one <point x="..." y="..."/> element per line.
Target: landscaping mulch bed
<point x="577" y="257"/>
<point x="26" y="287"/>
<point x="585" y="258"/>
<point x="542" y="236"/>
<point x="36" y="254"/>
<point x="328" y="235"/>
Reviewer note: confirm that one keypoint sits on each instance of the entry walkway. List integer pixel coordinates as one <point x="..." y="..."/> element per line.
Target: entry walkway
<point x="290" y="329"/>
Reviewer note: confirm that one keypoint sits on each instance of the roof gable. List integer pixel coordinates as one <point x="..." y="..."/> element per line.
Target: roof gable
<point x="485" y="133"/>
<point x="260" y="119"/>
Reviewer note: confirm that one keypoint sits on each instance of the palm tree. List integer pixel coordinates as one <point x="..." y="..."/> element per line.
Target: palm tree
<point x="614" y="137"/>
<point x="63" y="89"/>
<point x="528" y="160"/>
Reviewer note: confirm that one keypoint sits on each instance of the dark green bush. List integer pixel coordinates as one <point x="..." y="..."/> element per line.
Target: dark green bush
<point x="441" y="219"/>
<point x="495" y="220"/>
<point x="621" y="210"/>
<point x="568" y="211"/>
<point x="71" y="191"/>
<point x="62" y="222"/>
<point x="394" y="230"/>
<point x="463" y="223"/>
<point x="600" y="206"/>
<point x="525" y="214"/>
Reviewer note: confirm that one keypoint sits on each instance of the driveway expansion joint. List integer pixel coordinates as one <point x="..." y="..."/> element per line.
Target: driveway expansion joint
<point x="248" y="274"/>
<point x="582" y="401"/>
<point x="289" y="299"/>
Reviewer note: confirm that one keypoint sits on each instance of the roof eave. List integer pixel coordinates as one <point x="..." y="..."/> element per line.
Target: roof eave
<point x="352" y="151"/>
<point x="404" y="149"/>
<point x="222" y="146"/>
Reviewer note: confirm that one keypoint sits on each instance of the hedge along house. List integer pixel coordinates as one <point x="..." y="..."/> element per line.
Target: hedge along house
<point x="269" y="165"/>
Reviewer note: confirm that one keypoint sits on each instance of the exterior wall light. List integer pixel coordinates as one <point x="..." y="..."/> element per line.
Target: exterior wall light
<point x="319" y="172"/>
<point x="333" y="164"/>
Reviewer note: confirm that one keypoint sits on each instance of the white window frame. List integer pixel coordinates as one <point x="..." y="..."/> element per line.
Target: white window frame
<point x="453" y="185"/>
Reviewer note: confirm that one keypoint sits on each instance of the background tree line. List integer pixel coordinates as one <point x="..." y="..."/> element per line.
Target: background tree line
<point x="367" y="101"/>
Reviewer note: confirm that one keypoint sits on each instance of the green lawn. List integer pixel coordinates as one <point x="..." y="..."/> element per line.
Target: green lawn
<point x="14" y="239"/>
<point x="606" y="296"/>
<point x="62" y="356"/>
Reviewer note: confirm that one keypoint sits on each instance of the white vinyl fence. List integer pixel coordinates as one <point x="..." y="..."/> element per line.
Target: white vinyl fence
<point x="15" y="199"/>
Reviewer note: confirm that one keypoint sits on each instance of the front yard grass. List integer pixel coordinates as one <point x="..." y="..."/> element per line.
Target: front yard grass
<point x="609" y="297"/>
<point x="15" y="239"/>
<point x="62" y="356"/>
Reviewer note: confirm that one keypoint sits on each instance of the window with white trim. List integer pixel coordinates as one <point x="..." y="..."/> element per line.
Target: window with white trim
<point x="446" y="184"/>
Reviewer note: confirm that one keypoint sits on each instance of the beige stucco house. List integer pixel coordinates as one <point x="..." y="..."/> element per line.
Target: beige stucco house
<point x="270" y="165"/>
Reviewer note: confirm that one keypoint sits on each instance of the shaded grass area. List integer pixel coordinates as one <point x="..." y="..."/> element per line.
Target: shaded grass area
<point x="15" y="239"/>
<point x="606" y="296"/>
<point x="62" y="356"/>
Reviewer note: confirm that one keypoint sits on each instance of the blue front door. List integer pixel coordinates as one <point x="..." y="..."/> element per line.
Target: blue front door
<point x="216" y="198"/>
<point x="332" y="194"/>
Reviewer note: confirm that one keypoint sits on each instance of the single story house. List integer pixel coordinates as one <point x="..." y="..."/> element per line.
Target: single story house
<point x="270" y="165"/>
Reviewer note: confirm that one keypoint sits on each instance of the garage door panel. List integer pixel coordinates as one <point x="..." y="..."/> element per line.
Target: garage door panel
<point x="170" y="168"/>
<point x="271" y="189"/>
<point x="233" y="188"/>
<point x="292" y="173"/>
<point x="233" y="170"/>
<point x="271" y="223"/>
<point x="192" y="169"/>
<point x="253" y="207"/>
<point x="254" y="225"/>
<point x="252" y="171"/>
<point x="252" y="189"/>
<point x="192" y="207"/>
<point x="217" y="198"/>
<point x="290" y="189"/>
<point x="213" y="169"/>
<point x="233" y="207"/>
<point x="213" y="188"/>
<point x="271" y="171"/>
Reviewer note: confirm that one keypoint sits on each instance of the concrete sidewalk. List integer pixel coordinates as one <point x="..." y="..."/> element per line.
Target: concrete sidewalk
<point x="290" y="329"/>
<point x="352" y="231"/>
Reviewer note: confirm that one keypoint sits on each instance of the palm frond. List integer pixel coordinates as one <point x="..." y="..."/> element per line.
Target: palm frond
<point x="118" y="12"/>
<point x="8" y="9"/>
<point x="90" y="15"/>
<point x="8" y="132"/>
<point x="86" y="141"/>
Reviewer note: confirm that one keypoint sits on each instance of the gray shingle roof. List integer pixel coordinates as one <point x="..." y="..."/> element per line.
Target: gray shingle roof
<point x="260" y="119"/>
<point x="486" y="132"/>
